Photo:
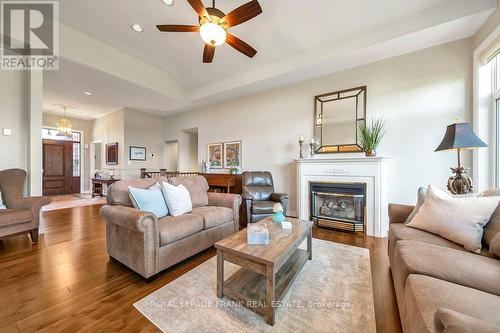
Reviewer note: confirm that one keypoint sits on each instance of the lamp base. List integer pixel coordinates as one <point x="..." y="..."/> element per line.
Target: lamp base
<point x="460" y="183"/>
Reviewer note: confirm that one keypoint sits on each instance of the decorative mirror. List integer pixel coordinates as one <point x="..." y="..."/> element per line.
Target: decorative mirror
<point x="337" y="116"/>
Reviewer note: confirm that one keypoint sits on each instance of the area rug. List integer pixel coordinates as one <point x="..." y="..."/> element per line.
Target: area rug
<point x="332" y="293"/>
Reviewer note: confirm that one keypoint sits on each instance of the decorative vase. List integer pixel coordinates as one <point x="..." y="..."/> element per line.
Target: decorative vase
<point x="370" y="153"/>
<point x="278" y="217"/>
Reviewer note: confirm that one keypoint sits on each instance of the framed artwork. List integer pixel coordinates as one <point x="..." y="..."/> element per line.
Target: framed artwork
<point x="112" y="153"/>
<point x="232" y="154"/>
<point x="214" y="155"/>
<point x="137" y="153"/>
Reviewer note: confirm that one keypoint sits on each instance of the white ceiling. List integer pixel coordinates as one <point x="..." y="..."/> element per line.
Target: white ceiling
<point x="66" y="87"/>
<point x="290" y="37"/>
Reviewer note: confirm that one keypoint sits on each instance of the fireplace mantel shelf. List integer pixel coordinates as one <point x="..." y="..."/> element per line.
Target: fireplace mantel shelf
<point x="338" y="159"/>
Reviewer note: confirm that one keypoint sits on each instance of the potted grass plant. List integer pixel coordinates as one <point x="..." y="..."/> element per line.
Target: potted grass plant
<point x="370" y="135"/>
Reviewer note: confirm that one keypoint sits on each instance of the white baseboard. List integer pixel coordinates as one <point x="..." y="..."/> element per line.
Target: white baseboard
<point x="41" y="224"/>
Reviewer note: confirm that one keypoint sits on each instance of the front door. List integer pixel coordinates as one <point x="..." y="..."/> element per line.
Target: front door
<point x="58" y="169"/>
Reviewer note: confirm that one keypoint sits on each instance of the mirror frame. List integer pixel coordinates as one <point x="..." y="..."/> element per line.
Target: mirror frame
<point x="318" y="122"/>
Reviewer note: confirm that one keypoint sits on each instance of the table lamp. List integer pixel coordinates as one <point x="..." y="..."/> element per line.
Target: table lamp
<point x="460" y="136"/>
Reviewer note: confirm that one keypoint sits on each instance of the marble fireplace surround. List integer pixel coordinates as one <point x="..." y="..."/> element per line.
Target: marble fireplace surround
<point x="370" y="170"/>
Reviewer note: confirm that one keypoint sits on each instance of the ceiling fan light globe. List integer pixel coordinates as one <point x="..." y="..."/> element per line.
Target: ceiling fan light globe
<point x="213" y="34"/>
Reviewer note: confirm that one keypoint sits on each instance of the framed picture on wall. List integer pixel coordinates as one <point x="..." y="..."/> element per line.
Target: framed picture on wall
<point x="232" y="155"/>
<point x="214" y="155"/>
<point x="112" y="153"/>
<point x="137" y="153"/>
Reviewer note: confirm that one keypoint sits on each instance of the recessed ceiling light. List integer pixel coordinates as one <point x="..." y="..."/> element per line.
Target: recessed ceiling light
<point x="136" y="27"/>
<point x="88" y="93"/>
<point x="168" y="2"/>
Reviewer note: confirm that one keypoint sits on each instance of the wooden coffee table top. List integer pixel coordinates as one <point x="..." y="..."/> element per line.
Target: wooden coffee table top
<point x="280" y="241"/>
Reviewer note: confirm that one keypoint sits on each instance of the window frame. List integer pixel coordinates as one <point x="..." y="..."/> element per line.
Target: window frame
<point x="484" y="169"/>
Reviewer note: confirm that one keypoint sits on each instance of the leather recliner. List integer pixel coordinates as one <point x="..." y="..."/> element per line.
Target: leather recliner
<point x="259" y="196"/>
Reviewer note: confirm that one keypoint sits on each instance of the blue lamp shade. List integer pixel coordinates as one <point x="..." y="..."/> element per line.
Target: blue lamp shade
<point x="460" y="136"/>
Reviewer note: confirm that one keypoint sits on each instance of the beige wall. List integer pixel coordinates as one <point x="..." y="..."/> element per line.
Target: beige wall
<point x="170" y="156"/>
<point x="189" y="160"/>
<point x="85" y="126"/>
<point x="109" y="129"/>
<point x="419" y="94"/>
<point x="143" y="130"/>
<point x="130" y="128"/>
<point x="21" y="112"/>
<point x="14" y="115"/>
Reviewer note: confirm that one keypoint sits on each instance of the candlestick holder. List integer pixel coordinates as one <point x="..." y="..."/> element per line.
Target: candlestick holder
<point x="301" y="149"/>
<point x="312" y="145"/>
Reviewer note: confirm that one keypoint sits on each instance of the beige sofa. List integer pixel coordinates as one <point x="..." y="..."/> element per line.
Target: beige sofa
<point x="431" y="273"/>
<point x="149" y="245"/>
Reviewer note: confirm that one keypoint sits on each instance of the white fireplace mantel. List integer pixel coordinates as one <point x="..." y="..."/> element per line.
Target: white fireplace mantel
<point x="370" y="170"/>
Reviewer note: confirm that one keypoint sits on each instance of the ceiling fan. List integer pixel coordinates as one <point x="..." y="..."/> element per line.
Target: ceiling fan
<point x="214" y="25"/>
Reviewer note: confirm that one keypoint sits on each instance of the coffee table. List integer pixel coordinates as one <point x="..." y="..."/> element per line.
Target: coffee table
<point x="267" y="271"/>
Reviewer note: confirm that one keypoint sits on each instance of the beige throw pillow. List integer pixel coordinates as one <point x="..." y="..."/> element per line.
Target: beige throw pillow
<point x="177" y="198"/>
<point x="197" y="187"/>
<point x="460" y="220"/>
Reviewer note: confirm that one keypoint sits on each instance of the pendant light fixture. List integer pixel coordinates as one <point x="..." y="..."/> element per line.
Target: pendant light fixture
<point x="64" y="125"/>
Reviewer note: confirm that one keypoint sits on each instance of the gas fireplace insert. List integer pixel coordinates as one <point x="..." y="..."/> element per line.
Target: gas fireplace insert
<point x="338" y="205"/>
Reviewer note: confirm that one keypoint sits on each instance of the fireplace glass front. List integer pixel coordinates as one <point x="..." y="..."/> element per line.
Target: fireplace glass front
<point x="339" y="205"/>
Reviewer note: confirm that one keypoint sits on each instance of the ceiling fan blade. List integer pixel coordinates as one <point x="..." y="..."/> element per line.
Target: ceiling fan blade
<point x="241" y="46"/>
<point x="243" y="13"/>
<point x="199" y="8"/>
<point x="208" y="53"/>
<point x="177" y="28"/>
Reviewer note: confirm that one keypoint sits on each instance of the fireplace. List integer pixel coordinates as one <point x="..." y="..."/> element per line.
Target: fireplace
<point x="338" y="205"/>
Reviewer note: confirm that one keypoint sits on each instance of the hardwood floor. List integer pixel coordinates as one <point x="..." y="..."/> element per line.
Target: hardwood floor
<point x="72" y="200"/>
<point x="67" y="283"/>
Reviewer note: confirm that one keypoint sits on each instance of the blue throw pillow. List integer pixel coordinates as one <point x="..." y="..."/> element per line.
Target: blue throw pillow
<point x="150" y="200"/>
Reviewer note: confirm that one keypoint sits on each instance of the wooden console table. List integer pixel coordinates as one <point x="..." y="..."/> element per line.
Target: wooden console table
<point x="97" y="184"/>
<point x="220" y="181"/>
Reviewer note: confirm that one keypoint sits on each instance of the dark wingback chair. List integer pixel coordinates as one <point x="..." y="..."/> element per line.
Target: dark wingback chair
<point x="259" y="195"/>
<point x="22" y="214"/>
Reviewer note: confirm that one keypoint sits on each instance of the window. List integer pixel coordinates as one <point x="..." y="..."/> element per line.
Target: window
<point x="494" y="68"/>
<point x="496" y="132"/>
<point x="486" y="112"/>
<point x="76" y="159"/>
<point x="53" y="134"/>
